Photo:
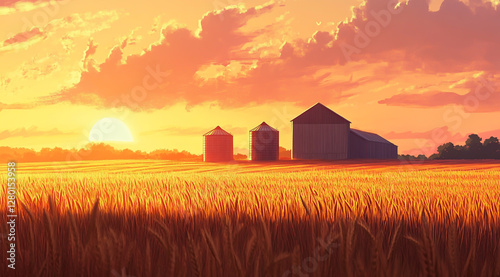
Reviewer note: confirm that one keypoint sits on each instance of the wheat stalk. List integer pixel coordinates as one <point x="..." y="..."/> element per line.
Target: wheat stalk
<point x="211" y="246"/>
<point x="193" y="257"/>
<point x="55" y="259"/>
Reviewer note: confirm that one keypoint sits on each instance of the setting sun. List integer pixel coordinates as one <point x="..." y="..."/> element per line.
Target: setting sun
<point x="110" y="129"/>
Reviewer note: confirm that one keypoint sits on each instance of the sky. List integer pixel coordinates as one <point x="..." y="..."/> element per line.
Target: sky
<point x="419" y="73"/>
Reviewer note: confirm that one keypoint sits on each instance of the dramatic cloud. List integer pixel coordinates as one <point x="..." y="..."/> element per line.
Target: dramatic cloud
<point x="408" y="35"/>
<point x="30" y="132"/>
<point x="165" y="73"/>
<point x="483" y="95"/>
<point x="402" y="36"/>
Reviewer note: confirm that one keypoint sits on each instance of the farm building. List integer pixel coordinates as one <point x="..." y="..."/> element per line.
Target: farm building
<point x="365" y="145"/>
<point x="320" y="133"/>
<point x="217" y="146"/>
<point x="264" y="143"/>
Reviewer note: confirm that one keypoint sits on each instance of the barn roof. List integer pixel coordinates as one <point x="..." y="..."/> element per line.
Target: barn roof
<point x="370" y="136"/>
<point x="263" y="127"/>
<point x="217" y="132"/>
<point x="319" y="114"/>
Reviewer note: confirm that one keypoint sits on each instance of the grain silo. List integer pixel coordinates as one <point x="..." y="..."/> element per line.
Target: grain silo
<point x="264" y="143"/>
<point x="320" y="133"/>
<point x="217" y="146"/>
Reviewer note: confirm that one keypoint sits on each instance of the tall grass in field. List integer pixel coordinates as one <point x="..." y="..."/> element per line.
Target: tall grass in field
<point x="312" y="223"/>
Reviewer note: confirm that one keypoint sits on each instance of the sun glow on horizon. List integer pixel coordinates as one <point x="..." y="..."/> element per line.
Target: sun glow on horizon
<point x="110" y="129"/>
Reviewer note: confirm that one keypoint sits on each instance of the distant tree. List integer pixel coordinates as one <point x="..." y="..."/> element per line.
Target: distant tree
<point x="101" y="151"/>
<point x="240" y="157"/>
<point x="127" y="154"/>
<point x="30" y="155"/>
<point x="447" y="151"/>
<point x="165" y="154"/>
<point x="460" y="152"/>
<point x="406" y="157"/>
<point x="434" y="156"/>
<point x="285" y="154"/>
<point x="491" y="148"/>
<point x="474" y="147"/>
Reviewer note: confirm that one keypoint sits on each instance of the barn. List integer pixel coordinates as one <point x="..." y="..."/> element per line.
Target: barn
<point x="320" y="133"/>
<point x="264" y="143"/>
<point x="365" y="145"/>
<point x="217" y="146"/>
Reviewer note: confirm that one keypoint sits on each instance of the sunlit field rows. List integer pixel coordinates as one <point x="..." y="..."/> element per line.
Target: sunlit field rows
<point x="289" y="218"/>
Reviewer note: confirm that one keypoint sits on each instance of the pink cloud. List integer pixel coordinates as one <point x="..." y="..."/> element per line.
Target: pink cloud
<point x="24" y="36"/>
<point x="488" y="134"/>
<point x="483" y="96"/>
<point x="408" y="37"/>
<point x="436" y="136"/>
<point x="181" y="54"/>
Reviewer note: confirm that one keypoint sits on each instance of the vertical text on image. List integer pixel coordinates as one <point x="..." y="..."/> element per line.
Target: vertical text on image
<point x="11" y="214"/>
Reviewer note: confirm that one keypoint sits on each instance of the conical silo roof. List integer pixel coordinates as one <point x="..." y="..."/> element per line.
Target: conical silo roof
<point x="263" y="127"/>
<point x="218" y="131"/>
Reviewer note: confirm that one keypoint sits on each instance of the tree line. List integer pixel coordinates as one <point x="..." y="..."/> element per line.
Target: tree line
<point x="474" y="148"/>
<point x="92" y="151"/>
<point x="102" y="151"/>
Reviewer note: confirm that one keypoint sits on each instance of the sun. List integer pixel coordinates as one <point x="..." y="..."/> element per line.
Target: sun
<point x="110" y="129"/>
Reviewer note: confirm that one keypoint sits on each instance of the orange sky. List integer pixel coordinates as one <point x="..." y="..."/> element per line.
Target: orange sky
<point x="418" y="73"/>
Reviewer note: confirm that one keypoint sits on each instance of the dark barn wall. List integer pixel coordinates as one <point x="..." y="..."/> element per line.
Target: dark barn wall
<point x="320" y="141"/>
<point x="378" y="150"/>
<point x="264" y="146"/>
<point x="360" y="148"/>
<point x="357" y="147"/>
<point x="217" y="148"/>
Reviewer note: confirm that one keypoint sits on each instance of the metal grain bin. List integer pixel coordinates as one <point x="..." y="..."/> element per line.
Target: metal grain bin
<point x="217" y="146"/>
<point x="264" y="143"/>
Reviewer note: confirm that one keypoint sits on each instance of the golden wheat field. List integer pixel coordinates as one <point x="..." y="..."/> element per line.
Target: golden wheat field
<point x="287" y="218"/>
